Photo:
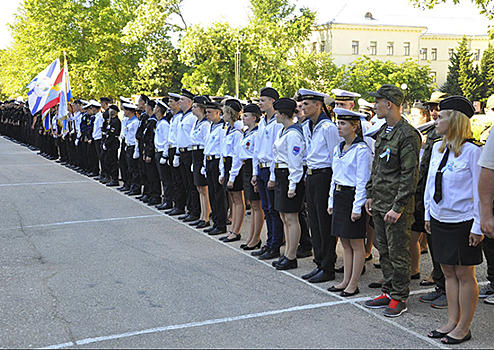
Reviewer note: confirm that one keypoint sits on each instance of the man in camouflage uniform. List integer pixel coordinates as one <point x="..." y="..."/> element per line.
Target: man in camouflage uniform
<point x="390" y="198"/>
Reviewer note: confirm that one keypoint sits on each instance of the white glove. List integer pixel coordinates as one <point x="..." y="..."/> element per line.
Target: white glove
<point x="162" y="160"/>
<point x="104" y="147"/>
<point x="203" y="171"/>
<point x="76" y="142"/>
<point x="192" y="168"/>
<point x="136" y="152"/>
<point x="176" y="161"/>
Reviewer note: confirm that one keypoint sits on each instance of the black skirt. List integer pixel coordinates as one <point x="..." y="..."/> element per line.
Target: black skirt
<point x="282" y="203"/>
<point x="238" y="184"/>
<point x="342" y="224"/>
<point x="249" y="192"/>
<point x="450" y="243"/>
<point x="198" y="161"/>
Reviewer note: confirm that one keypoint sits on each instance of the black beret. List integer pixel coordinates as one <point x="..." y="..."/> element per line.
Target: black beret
<point x="235" y="104"/>
<point x="285" y="103"/>
<point x="77" y="102"/>
<point x="144" y="98"/>
<point x="151" y="103"/>
<point x="269" y="92"/>
<point x="213" y="105"/>
<point x="201" y="99"/>
<point x="115" y="108"/>
<point x="252" y="108"/>
<point x="187" y="93"/>
<point x="105" y="99"/>
<point x="457" y="103"/>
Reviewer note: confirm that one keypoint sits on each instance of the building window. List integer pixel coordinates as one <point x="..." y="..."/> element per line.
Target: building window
<point x="450" y="53"/>
<point x="423" y="54"/>
<point x="323" y="46"/>
<point x="373" y="48"/>
<point x="314" y="47"/>
<point x="390" y="49"/>
<point x="434" y="77"/>
<point x="477" y="55"/>
<point x="354" y="47"/>
<point x="406" y="49"/>
<point x="433" y="54"/>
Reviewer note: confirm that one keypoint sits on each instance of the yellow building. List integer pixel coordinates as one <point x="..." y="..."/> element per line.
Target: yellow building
<point x="429" y="40"/>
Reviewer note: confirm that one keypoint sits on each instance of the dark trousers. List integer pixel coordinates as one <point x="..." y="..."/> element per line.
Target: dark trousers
<point x="153" y="179"/>
<point x="83" y="155"/>
<point x="437" y="272"/>
<point x="122" y="164"/>
<point x="193" y="206"/>
<point x="271" y="215"/>
<point x="93" y="158"/>
<point x="488" y="248"/>
<point x="111" y="160"/>
<point x="217" y="196"/>
<point x="99" y="152"/>
<point x="134" y="173"/>
<point x="179" y="193"/>
<point x="142" y="170"/>
<point x="165" y="173"/>
<point x="305" y="243"/>
<point x="323" y="243"/>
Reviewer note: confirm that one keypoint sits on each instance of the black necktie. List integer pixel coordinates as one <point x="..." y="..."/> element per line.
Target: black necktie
<point x="438" y="194"/>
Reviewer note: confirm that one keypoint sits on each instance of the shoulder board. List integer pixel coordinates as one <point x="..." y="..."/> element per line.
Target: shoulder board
<point x="438" y="139"/>
<point x="475" y="142"/>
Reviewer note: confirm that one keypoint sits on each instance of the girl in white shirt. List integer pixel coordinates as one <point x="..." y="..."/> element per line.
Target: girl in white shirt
<point x="452" y="215"/>
<point x="352" y="160"/>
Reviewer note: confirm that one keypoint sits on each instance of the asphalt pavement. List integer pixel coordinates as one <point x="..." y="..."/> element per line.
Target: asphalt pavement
<point x="85" y="266"/>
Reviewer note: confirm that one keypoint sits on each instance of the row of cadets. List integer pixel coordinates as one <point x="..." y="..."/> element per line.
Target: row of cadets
<point x="184" y="148"/>
<point x="321" y="139"/>
<point x="104" y="176"/>
<point x="111" y="144"/>
<point x="92" y="155"/>
<point x="97" y="135"/>
<point x="198" y="136"/>
<point x="262" y="177"/>
<point x="132" y="150"/>
<point x="153" y="196"/>
<point x="352" y="160"/>
<point x="179" y="195"/>
<point x="287" y="166"/>
<point x="143" y="118"/>
<point x="161" y="142"/>
<point x="122" y="160"/>
<point x="211" y="168"/>
<point x="244" y="154"/>
<point x="231" y="177"/>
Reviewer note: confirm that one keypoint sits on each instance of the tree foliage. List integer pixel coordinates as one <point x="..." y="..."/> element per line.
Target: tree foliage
<point x="486" y="7"/>
<point x="487" y="72"/>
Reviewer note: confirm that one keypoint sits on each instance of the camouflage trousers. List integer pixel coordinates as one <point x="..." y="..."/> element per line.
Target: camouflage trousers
<point x="393" y="243"/>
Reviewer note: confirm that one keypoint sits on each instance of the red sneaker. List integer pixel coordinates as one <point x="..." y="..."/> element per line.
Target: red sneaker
<point x="379" y="302"/>
<point x="395" y="308"/>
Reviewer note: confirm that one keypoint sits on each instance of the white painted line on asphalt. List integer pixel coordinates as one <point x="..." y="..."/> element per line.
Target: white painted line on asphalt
<point x="196" y="324"/>
<point x="82" y="222"/>
<point x="45" y="183"/>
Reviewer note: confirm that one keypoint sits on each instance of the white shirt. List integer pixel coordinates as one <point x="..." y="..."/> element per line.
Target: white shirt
<point x="320" y="142"/>
<point x="123" y="130"/>
<point x="199" y="132"/>
<point x="266" y="135"/>
<point x="229" y="143"/>
<point x="352" y="168"/>
<point x="131" y="130"/>
<point x="161" y="136"/>
<point x="460" y="199"/>
<point x="98" y="124"/>
<point x="76" y="117"/>
<point x="289" y="148"/>
<point x="487" y="158"/>
<point x="213" y="139"/>
<point x="185" y="125"/>
<point x="172" y="135"/>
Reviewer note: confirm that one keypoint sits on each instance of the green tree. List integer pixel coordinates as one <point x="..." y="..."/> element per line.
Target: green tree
<point x="451" y="85"/>
<point x="468" y="74"/>
<point x="487" y="72"/>
<point x="485" y="6"/>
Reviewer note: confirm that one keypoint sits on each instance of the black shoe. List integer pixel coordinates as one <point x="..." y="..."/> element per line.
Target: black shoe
<point x="93" y="174"/>
<point x="377" y="266"/>
<point x="416" y="276"/>
<point x="322" y="276"/>
<point x="269" y="254"/>
<point x="182" y="217"/>
<point x="335" y="290"/>
<point x="375" y="285"/>
<point x="164" y="206"/>
<point x="347" y="294"/>
<point x="154" y="201"/>
<point x="260" y="252"/>
<point x="228" y="222"/>
<point x="236" y="238"/>
<point x="203" y="224"/>
<point x="257" y="246"/>
<point x="176" y="211"/>
<point x="112" y="184"/>
<point x="304" y="254"/>
<point x="340" y="269"/>
<point x="195" y="223"/>
<point x="311" y="274"/>
<point x="141" y="197"/>
<point x="450" y="340"/>
<point x="134" y="192"/>
<point x="276" y="262"/>
<point x="191" y="218"/>
<point x="212" y="228"/>
<point x="368" y="258"/>
<point x="216" y="231"/>
<point x="124" y="188"/>
<point x="287" y="264"/>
